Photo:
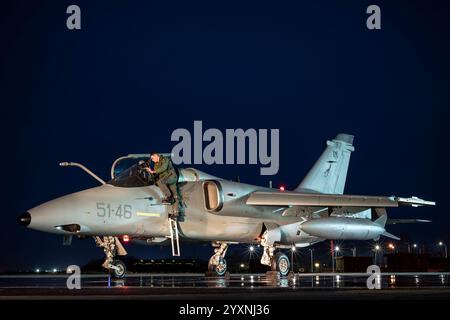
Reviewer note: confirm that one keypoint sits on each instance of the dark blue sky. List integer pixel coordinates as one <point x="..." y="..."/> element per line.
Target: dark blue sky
<point x="140" y="69"/>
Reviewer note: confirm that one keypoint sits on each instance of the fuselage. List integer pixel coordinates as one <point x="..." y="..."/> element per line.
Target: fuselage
<point x="212" y="210"/>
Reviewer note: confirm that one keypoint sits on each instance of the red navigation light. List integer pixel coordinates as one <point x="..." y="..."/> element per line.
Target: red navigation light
<point x="126" y="238"/>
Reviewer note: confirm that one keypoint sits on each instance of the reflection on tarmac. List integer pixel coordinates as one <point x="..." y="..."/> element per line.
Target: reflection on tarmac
<point x="319" y="281"/>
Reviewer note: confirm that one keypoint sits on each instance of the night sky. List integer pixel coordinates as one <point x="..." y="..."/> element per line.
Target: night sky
<point x="137" y="70"/>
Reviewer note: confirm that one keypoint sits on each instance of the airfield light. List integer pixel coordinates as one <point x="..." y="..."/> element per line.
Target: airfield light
<point x="252" y="248"/>
<point x="38" y="270"/>
<point x="445" y="248"/>
<point x="415" y="245"/>
<point x="337" y="248"/>
<point x="282" y="188"/>
<point x="293" y="248"/>
<point x="126" y="238"/>
<point x="316" y="264"/>
<point x="54" y="270"/>
<point x="377" y="247"/>
<point x="242" y="265"/>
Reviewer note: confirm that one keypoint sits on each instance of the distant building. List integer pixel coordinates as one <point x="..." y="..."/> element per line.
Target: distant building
<point x="353" y="264"/>
<point x="406" y="262"/>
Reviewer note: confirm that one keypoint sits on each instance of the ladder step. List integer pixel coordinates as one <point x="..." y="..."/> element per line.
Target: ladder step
<point x="174" y="238"/>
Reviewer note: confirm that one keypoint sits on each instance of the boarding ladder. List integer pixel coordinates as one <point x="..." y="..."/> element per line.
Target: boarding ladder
<point x="174" y="239"/>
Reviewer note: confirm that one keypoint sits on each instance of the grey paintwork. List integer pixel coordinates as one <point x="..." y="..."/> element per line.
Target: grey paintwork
<point x="235" y="222"/>
<point x="243" y="214"/>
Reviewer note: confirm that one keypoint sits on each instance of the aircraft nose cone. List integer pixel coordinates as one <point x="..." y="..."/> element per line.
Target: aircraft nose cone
<point x="24" y="219"/>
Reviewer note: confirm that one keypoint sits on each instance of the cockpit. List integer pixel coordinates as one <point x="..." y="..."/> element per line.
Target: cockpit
<point x="132" y="177"/>
<point x="129" y="172"/>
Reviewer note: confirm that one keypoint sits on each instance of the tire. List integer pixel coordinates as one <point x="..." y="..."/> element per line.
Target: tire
<point x="221" y="269"/>
<point x="280" y="263"/>
<point x="119" y="274"/>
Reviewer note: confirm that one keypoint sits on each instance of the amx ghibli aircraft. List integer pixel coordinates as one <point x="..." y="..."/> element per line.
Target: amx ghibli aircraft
<point x="220" y="211"/>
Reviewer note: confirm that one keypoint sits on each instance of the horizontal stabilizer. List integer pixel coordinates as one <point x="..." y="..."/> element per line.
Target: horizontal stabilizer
<point x="390" y="235"/>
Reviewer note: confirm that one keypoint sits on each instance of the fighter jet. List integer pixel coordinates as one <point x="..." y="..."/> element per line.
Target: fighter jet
<point x="220" y="211"/>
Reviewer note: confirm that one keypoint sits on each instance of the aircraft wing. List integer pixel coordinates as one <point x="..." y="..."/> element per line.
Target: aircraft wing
<point x="284" y="198"/>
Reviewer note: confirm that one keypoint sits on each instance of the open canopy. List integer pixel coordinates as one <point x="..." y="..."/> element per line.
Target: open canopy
<point x="133" y="177"/>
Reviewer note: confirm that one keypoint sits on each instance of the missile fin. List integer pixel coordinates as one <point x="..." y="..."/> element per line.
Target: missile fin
<point x="381" y="221"/>
<point x="390" y="235"/>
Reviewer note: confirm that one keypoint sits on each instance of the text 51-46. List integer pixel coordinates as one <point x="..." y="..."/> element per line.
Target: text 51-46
<point x="122" y="211"/>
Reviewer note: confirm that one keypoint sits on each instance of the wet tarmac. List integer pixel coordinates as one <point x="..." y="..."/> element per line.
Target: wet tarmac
<point x="236" y="286"/>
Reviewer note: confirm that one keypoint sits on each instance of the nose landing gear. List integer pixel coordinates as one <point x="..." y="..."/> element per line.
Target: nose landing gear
<point x="217" y="264"/>
<point x="112" y="247"/>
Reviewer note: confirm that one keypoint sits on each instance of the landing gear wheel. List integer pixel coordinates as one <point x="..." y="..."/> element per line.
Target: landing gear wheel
<point x="280" y="263"/>
<point x="221" y="268"/>
<point x="118" y="273"/>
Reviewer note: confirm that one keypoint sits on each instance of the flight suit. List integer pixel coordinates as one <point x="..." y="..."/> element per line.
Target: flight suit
<point x="166" y="179"/>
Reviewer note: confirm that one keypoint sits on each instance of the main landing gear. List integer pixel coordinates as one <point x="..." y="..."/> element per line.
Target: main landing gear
<point x="112" y="247"/>
<point x="278" y="262"/>
<point x="217" y="264"/>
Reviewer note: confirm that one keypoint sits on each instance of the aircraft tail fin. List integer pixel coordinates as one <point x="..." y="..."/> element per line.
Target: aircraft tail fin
<point x="329" y="173"/>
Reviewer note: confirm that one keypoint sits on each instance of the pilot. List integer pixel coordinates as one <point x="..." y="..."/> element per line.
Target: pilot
<point x="166" y="179"/>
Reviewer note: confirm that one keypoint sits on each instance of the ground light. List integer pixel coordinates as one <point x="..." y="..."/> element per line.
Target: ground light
<point x="292" y="257"/>
<point x="445" y="248"/>
<point x="376" y="248"/>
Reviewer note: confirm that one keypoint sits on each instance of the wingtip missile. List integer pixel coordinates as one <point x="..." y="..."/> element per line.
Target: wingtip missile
<point x="414" y="202"/>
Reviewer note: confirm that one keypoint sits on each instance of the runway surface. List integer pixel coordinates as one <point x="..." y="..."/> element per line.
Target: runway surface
<point x="406" y="286"/>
